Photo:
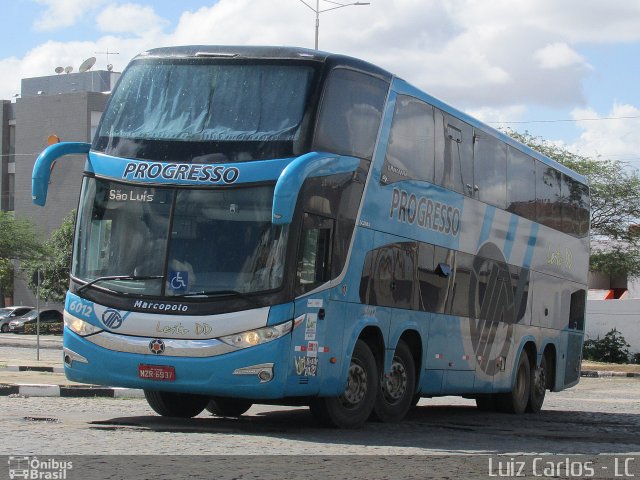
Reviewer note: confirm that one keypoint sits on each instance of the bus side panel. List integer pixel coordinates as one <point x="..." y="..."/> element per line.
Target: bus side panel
<point x="403" y="321"/>
<point x="574" y="359"/>
<point x="450" y="350"/>
<point x="311" y="342"/>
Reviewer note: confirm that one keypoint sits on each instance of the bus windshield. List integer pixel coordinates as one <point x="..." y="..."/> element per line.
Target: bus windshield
<point x="178" y="242"/>
<point x="200" y="110"/>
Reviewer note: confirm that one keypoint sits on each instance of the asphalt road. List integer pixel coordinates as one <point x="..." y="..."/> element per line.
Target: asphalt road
<point x="599" y="416"/>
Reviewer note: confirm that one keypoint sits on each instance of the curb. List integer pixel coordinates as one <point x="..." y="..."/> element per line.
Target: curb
<point x="600" y="374"/>
<point x="29" y="368"/>
<point x="70" y="391"/>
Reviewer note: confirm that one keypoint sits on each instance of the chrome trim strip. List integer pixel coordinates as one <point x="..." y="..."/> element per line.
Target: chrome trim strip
<point x="73" y="356"/>
<point x="253" y="369"/>
<point x="172" y="347"/>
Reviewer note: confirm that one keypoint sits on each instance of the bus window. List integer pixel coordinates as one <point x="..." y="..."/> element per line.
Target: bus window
<point x="521" y="191"/>
<point x="404" y="272"/>
<point x="575" y="207"/>
<point x="577" y="310"/>
<point x="490" y="169"/>
<point x="432" y="283"/>
<point x="350" y="114"/>
<point x="337" y="197"/>
<point x="583" y="214"/>
<point x="461" y="285"/>
<point x="548" y="196"/>
<point x="410" y="153"/>
<point x="388" y="277"/>
<point x="315" y="252"/>
<point x="454" y="154"/>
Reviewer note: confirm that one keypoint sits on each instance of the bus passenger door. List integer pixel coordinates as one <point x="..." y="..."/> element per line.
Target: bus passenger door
<point x="310" y="340"/>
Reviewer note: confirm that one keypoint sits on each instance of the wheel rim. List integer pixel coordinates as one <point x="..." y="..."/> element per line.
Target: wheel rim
<point x="356" y="386"/>
<point x="394" y="385"/>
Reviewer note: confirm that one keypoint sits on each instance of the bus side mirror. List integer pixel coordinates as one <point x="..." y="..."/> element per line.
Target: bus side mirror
<point x="42" y="167"/>
<point x="285" y="195"/>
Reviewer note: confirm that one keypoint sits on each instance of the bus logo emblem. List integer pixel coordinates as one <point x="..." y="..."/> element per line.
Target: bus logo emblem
<point x="156" y="346"/>
<point x="112" y="319"/>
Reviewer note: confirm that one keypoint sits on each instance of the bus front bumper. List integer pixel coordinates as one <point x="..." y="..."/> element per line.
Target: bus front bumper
<point x="257" y="372"/>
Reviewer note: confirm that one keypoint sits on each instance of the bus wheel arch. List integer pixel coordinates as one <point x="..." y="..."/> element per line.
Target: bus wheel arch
<point x="551" y="358"/>
<point x="396" y="392"/>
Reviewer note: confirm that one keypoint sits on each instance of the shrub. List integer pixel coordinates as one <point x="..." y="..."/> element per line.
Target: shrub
<point x="45" y="328"/>
<point x="613" y="348"/>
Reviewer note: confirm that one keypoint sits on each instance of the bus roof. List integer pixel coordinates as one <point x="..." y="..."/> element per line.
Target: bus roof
<point x="267" y="53"/>
<point x="335" y="60"/>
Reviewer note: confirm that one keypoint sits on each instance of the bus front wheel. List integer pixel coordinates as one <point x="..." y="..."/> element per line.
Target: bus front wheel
<point x="228" y="407"/>
<point x="395" y="395"/>
<point x="173" y="404"/>
<point x="353" y="407"/>
<point x="517" y="399"/>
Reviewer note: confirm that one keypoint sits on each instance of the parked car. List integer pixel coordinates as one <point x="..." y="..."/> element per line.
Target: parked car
<point x="11" y="313"/>
<point x="48" y="317"/>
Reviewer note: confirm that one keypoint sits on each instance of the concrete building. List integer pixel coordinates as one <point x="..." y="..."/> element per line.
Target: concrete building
<point x="68" y="106"/>
<point x="614" y="303"/>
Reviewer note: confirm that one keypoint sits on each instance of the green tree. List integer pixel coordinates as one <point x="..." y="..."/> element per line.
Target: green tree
<point x="615" y="205"/>
<point x="56" y="263"/>
<point x="18" y="241"/>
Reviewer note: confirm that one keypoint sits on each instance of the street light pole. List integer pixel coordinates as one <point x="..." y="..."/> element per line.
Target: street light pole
<point x="317" y="11"/>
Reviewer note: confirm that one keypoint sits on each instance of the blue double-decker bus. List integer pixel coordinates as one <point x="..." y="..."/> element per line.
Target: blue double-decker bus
<point x="282" y="225"/>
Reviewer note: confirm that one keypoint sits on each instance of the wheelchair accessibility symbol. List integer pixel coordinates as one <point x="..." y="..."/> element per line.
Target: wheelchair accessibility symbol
<point x="179" y="281"/>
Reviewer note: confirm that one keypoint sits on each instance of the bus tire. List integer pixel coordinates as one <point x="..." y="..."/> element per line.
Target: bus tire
<point x="538" y="387"/>
<point x="517" y="399"/>
<point x="353" y="407"/>
<point x="395" y="393"/>
<point x="173" y="404"/>
<point x="228" y="407"/>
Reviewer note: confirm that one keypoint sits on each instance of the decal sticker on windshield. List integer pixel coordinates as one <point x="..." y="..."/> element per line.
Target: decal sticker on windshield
<point x="179" y="280"/>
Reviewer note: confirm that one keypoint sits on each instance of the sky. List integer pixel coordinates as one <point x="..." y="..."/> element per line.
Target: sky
<point x="568" y="71"/>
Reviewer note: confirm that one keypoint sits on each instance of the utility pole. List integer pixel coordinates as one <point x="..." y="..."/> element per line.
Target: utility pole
<point x="317" y="11"/>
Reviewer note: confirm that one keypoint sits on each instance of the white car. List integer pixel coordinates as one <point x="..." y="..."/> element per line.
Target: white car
<point x="11" y="313"/>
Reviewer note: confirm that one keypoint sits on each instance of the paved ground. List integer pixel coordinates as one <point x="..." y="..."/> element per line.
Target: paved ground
<point x="599" y="416"/>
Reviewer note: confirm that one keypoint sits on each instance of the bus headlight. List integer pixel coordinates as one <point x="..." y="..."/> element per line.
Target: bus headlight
<point x="80" y="327"/>
<point x="252" y="338"/>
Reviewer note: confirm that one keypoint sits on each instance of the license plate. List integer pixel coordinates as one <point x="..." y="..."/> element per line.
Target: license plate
<point x="164" y="373"/>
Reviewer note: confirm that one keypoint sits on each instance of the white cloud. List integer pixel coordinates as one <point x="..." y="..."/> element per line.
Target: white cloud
<point x="63" y="13"/>
<point x="129" y="18"/>
<point x="558" y="55"/>
<point x="613" y="135"/>
<point x="495" y="116"/>
<point x="477" y="55"/>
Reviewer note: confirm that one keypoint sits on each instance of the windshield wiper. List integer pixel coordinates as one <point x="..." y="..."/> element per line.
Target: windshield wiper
<point x="212" y="293"/>
<point x="117" y="277"/>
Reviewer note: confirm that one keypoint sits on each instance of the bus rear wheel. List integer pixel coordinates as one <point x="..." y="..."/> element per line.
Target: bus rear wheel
<point x="395" y="395"/>
<point x="173" y="404"/>
<point x="353" y="407"/>
<point x="517" y="399"/>
<point x="538" y="387"/>
<point x="228" y="407"/>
